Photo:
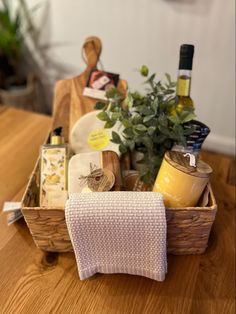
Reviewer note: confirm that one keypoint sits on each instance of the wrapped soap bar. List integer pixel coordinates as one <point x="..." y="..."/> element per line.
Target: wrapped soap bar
<point x="94" y="172"/>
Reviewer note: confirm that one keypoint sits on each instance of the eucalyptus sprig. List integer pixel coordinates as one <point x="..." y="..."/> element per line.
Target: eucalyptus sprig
<point x="151" y="123"/>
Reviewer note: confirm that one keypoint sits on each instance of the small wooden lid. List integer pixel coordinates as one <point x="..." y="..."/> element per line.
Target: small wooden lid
<point x="177" y="160"/>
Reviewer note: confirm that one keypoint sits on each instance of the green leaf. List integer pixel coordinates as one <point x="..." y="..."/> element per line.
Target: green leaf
<point x="136" y="119"/>
<point x="112" y="106"/>
<point x="126" y="123"/>
<point x="136" y="96"/>
<point x="122" y="149"/>
<point x="186" y="116"/>
<point x="170" y="101"/>
<point x="160" y="139"/>
<point x="111" y="93"/>
<point x="151" y="78"/>
<point x="164" y="130"/>
<point x="154" y="105"/>
<point x="168" y="77"/>
<point x="178" y="129"/>
<point x="148" y="118"/>
<point x="115" y="116"/>
<point x="128" y="133"/>
<point x="140" y="128"/>
<point x="162" y="120"/>
<point x="99" y="105"/>
<point x="181" y="140"/>
<point x="174" y="119"/>
<point x="103" y="116"/>
<point x="169" y="91"/>
<point x="143" y="109"/>
<point x="129" y="100"/>
<point x="153" y="122"/>
<point x="115" y="138"/>
<point x="173" y="84"/>
<point x="151" y="130"/>
<point x="109" y="124"/>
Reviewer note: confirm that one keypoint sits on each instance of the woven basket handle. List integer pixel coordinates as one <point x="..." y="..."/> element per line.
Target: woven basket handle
<point x="91" y="51"/>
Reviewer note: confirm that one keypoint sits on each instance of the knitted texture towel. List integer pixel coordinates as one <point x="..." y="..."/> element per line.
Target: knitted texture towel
<point x="118" y="232"/>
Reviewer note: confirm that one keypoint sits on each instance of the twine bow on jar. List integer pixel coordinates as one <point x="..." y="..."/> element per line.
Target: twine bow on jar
<point x="98" y="180"/>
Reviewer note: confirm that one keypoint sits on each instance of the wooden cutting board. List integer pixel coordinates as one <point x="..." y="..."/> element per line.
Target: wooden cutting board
<point x="69" y="103"/>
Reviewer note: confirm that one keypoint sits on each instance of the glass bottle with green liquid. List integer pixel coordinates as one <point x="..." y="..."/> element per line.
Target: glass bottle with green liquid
<point x="183" y="99"/>
<point x="184" y="78"/>
<point x="194" y="140"/>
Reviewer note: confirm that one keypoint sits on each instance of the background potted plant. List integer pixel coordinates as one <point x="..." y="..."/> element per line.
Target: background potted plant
<point x="150" y="123"/>
<point x="17" y="86"/>
<point x="27" y="69"/>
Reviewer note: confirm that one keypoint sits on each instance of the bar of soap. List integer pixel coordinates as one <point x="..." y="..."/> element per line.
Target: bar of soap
<point x="89" y="135"/>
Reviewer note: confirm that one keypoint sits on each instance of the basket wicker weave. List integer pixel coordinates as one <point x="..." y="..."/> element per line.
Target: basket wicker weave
<point x="188" y="229"/>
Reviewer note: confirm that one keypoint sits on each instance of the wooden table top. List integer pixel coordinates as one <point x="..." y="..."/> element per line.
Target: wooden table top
<point x="32" y="281"/>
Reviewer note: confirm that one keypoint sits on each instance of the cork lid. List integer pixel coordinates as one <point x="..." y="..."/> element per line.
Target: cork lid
<point x="182" y="163"/>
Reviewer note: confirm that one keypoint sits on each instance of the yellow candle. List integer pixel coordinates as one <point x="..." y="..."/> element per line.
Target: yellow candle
<point x="180" y="184"/>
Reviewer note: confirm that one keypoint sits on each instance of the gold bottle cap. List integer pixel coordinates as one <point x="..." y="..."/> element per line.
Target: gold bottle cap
<point x="177" y="160"/>
<point x="57" y="140"/>
<point x="56" y="137"/>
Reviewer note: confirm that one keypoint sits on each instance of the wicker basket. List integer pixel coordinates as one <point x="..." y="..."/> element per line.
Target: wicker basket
<point x="188" y="229"/>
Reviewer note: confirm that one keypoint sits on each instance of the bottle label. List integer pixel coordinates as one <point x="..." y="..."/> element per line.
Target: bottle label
<point x="98" y="139"/>
<point x="53" y="176"/>
<point x="183" y="87"/>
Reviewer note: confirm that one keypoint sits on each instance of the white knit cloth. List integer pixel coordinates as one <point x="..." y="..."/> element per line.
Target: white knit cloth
<point x="118" y="232"/>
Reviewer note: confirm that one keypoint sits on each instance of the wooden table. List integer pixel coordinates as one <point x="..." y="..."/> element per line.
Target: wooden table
<point x="32" y="281"/>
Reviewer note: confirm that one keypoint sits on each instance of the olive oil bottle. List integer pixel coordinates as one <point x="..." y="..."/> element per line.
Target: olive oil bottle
<point x="184" y="78"/>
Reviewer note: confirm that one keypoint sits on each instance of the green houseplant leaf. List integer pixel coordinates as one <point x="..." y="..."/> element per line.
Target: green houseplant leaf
<point x="116" y="138"/>
<point x="103" y="116"/>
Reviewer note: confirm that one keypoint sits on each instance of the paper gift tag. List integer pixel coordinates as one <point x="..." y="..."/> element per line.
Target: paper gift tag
<point x="99" y="82"/>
